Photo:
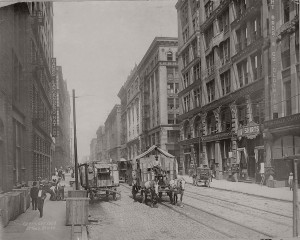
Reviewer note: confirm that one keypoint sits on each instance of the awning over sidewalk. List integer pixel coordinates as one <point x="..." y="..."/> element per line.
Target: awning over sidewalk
<point x="154" y="148"/>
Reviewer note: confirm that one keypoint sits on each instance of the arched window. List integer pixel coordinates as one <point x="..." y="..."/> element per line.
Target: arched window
<point x="170" y="56"/>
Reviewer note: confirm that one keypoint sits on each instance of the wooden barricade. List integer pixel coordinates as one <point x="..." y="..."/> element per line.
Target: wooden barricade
<point x="77" y="211"/>
<point x="77" y="194"/>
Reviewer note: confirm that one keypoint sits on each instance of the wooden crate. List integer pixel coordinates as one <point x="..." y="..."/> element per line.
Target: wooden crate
<point x="3" y="211"/>
<point x="77" y="194"/>
<point x="276" y="184"/>
<point x="23" y="196"/>
<point x="13" y="204"/>
<point x="77" y="211"/>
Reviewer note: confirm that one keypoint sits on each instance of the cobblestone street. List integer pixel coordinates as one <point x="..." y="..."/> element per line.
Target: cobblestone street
<point x="228" y="215"/>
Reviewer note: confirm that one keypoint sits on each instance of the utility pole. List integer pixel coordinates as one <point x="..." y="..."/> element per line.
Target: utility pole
<point x="295" y="200"/>
<point x="75" y="143"/>
<point x="294" y="159"/>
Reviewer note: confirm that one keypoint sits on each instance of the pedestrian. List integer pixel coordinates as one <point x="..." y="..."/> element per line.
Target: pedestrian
<point x="291" y="181"/>
<point x="41" y="198"/>
<point x="34" y="195"/>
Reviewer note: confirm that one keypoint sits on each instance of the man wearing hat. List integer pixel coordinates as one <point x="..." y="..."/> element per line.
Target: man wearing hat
<point x="40" y="200"/>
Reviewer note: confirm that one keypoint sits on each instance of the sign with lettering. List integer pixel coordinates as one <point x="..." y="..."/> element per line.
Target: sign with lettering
<point x="249" y="131"/>
<point x="273" y="8"/>
<point x="54" y="97"/>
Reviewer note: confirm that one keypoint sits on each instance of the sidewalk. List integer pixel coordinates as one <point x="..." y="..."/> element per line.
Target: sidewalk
<point x="283" y="194"/>
<point x="29" y="225"/>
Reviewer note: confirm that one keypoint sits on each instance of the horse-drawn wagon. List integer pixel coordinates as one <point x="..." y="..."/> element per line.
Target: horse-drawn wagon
<point x="100" y="179"/>
<point x="203" y="176"/>
<point x="152" y="172"/>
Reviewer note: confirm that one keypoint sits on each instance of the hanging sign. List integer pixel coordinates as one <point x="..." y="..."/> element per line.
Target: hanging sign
<point x="249" y="131"/>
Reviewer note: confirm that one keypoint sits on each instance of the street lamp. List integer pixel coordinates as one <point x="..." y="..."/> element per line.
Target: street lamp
<point x="295" y="159"/>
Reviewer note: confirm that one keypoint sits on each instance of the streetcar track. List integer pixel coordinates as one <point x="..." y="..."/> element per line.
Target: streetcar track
<point x="252" y="214"/>
<point x="212" y="214"/>
<point x="243" y="205"/>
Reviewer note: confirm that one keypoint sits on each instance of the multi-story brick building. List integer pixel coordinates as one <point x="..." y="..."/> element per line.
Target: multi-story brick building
<point x="101" y="144"/>
<point x="25" y="96"/>
<point x="226" y="121"/>
<point x="62" y="156"/>
<point x="112" y="134"/>
<point x="131" y="115"/>
<point x="282" y="105"/>
<point x="159" y="80"/>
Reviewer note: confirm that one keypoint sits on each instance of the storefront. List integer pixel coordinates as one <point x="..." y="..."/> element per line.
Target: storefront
<point x="250" y="150"/>
<point x="282" y="139"/>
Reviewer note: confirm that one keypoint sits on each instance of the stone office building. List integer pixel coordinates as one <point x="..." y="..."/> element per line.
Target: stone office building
<point x="25" y="97"/>
<point x="112" y="134"/>
<point x="227" y="112"/>
<point x="62" y="155"/>
<point x="159" y="80"/>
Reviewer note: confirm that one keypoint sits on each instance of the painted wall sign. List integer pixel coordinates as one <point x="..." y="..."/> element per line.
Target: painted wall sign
<point x="54" y="97"/>
<point x="273" y="14"/>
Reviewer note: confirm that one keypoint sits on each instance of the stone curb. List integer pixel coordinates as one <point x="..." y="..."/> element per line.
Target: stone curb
<point x="250" y="194"/>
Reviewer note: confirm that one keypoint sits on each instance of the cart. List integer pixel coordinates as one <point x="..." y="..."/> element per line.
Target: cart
<point x="100" y="179"/>
<point x="143" y="170"/>
<point x="204" y="176"/>
<point x="122" y="167"/>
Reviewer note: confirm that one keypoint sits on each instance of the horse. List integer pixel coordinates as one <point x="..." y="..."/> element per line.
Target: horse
<point x="177" y="186"/>
<point x="151" y="187"/>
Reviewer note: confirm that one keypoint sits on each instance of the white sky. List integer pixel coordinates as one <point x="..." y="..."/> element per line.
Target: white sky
<point x="97" y="44"/>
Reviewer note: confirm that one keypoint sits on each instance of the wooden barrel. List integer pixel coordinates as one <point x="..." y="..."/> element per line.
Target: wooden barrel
<point x="77" y="194"/>
<point x="77" y="211"/>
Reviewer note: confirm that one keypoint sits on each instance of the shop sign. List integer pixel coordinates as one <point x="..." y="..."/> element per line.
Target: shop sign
<point x="54" y="97"/>
<point x="215" y="137"/>
<point x="285" y="121"/>
<point x="273" y="48"/>
<point x="250" y="131"/>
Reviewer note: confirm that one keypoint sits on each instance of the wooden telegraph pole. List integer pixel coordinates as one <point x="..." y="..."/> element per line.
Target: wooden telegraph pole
<point x="295" y="160"/>
<point x="75" y="143"/>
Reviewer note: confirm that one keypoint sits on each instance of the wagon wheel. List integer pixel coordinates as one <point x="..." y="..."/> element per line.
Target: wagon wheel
<point x="160" y="195"/>
<point x="208" y="183"/>
<point x="198" y="183"/>
<point x="115" y="195"/>
<point x="143" y="194"/>
<point x="91" y="196"/>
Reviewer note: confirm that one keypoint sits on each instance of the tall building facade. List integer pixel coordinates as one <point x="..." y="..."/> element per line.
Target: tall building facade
<point x="101" y="144"/>
<point x="282" y="105"/>
<point x="131" y="116"/>
<point x="227" y="120"/>
<point x="62" y="153"/>
<point x="112" y="134"/>
<point x="159" y="80"/>
<point x="93" y="149"/>
<point x="26" y="47"/>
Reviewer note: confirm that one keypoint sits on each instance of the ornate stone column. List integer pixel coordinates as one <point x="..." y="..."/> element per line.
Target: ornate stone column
<point x="234" y="117"/>
<point x="204" y="124"/>
<point x="204" y="160"/>
<point x="249" y="108"/>
<point x="218" y="118"/>
<point x="218" y="157"/>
